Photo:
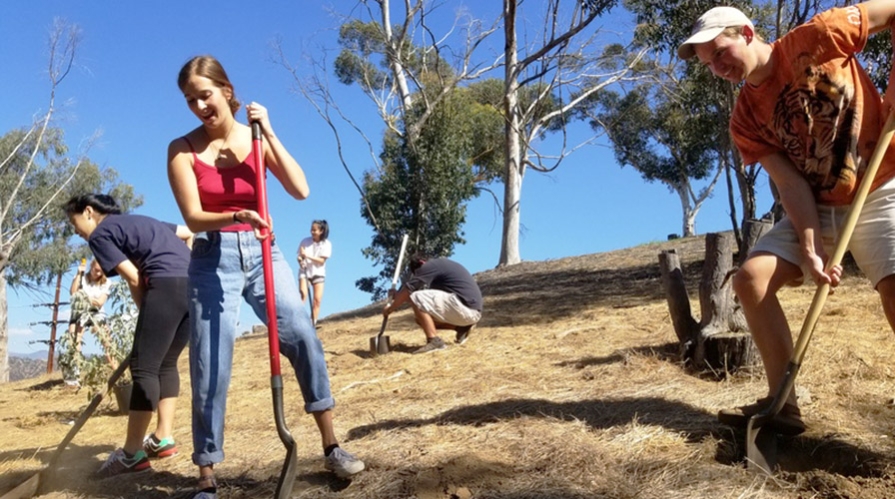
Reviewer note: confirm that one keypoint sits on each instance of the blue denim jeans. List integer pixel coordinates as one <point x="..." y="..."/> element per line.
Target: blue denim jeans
<point x="225" y="268"/>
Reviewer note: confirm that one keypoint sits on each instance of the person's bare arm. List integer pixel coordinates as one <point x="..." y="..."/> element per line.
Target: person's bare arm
<point x="185" y="235"/>
<point x="128" y="271"/>
<point x="801" y="209"/>
<point x="100" y="300"/>
<point x="284" y="167"/>
<point x="400" y="298"/>
<point x="880" y="14"/>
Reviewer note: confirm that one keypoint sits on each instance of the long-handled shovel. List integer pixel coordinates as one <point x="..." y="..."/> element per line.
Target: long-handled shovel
<point x="287" y="475"/>
<point x="380" y="344"/>
<point x="761" y="441"/>
<point x="30" y="487"/>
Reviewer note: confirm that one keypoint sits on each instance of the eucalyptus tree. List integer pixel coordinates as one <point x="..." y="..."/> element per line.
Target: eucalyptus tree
<point x="567" y="66"/>
<point x="435" y="151"/>
<point x="404" y="68"/>
<point x="37" y="174"/>
<point x="667" y="137"/>
<point x="422" y="188"/>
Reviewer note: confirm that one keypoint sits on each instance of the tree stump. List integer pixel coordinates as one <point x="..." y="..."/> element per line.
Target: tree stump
<point x="720" y="340"/>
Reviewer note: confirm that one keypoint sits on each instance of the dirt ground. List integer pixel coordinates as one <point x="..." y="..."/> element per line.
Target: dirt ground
<point x="571" y="387"/>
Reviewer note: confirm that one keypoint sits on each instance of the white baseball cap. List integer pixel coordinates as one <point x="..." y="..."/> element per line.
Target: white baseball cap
<point x="710" y="25"/>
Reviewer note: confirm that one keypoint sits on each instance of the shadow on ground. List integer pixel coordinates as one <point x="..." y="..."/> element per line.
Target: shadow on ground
<point x="796" y="455"/>
<point x="668" y="352"/>
<point x="596" y="413"/>
<point x="808" y="453"/>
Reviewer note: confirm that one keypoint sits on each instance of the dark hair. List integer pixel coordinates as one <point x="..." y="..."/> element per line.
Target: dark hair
<point x="208" y="67"/>
<point x="323" y="226"/>
<point x="101" y="203"/>
<point x="416" y="261"/>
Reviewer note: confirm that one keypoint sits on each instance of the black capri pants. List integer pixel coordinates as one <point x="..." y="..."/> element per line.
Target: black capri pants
<point x="163" y="331"/>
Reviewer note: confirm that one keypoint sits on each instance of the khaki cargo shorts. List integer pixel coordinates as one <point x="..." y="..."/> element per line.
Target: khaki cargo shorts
<point x="445" y="307"/>
<point x="872" y="244"/>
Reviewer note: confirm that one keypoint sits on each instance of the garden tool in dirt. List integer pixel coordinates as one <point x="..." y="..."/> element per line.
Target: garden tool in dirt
<point x="761" y="439"/>
<point x="31" y="486"/>
<point x="287" y="475"/>
<point x="380" y="344"/>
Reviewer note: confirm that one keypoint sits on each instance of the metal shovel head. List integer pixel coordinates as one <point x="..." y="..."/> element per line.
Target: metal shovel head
<point x="379" y="345"/>
<point x="26" y="489"/>
<point x="287" y="474"/>
<point x="761" y="444"/>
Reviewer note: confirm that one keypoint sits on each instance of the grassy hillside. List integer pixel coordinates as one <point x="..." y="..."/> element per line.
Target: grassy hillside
<point x="569" y="388"/>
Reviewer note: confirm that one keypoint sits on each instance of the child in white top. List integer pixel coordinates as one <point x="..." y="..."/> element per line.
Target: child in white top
<point x="312" y="255"/>
<point x="89" y="291"/>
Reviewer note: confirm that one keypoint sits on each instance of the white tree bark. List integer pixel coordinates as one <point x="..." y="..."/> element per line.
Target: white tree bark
<point x="64" y="40"/>
<point x="546" y="65"/>
<point x="515" y="168"/>
<point x="4" y="323"/>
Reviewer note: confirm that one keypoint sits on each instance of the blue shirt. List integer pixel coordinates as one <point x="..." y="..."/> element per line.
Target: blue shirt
<point x="152" y="246"/>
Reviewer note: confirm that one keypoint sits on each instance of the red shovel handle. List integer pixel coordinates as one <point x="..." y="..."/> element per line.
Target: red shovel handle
<point x="273" y="337"/>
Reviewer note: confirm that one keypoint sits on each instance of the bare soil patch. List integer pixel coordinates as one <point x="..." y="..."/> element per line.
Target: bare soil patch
<point x="569" y="388"/>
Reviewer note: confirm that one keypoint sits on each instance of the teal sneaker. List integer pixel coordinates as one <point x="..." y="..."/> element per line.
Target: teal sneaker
<point x="159" y="449"/>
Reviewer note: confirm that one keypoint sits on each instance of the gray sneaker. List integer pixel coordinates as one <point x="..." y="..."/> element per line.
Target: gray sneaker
<point x="432" y="345"/>
<point x="463" y="333"/>
<point x="343" y="463"/>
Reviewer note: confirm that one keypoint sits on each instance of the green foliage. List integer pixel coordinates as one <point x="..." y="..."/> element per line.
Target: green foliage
<point x="667" y="138"/>
<point x="42" y="249"/>
<point x="121" y="325"/>
<point x="423" y="187"/>
<point x="441" y="143"/>
<point x="877" y="59"/>
<point x="360" y="41"/>
<point x="364" y="58"/>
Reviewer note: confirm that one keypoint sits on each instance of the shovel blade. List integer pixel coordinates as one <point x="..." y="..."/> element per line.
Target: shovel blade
<point x="287" y="474"/>
<point x="380" y="345"/>
<point x="26" y="489"/>
<point x="761" y="447"/>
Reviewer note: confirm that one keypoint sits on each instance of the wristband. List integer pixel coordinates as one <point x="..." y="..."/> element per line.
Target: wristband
<point x="236" y="220"/>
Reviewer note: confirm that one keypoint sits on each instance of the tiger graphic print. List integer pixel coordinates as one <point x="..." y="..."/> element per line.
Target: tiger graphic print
<point x="816" y="122"/>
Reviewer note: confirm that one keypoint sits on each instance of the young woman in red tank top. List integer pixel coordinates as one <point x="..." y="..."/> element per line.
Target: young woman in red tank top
<point x="212" y="174"/>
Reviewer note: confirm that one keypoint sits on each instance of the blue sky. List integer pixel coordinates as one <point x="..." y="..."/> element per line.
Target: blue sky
<point x="124" y="85"/>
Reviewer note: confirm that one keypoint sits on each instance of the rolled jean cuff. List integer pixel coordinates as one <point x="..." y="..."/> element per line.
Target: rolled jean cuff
<point x="320" y="405"/>
<point x="207" y="459"/>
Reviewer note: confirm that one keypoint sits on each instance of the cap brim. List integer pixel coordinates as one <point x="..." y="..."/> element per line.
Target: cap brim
<point x="686" y="50"/>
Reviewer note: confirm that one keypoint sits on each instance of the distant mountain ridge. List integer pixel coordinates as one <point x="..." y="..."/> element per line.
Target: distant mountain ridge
<point x="41" y="355"/>
<point x="25" y="366"/>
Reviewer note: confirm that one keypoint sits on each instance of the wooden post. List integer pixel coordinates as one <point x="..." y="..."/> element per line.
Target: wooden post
<point x="51" y="354"/>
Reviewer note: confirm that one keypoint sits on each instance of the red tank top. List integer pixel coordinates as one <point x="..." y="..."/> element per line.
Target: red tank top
<point x="226" y="190"/>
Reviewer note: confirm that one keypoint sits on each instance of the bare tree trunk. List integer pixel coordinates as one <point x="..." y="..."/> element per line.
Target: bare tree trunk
<point x="753" y="229"/>
<point x="4" y="331"/>
<point x="395" y="56"/>
<point x="685" y="327"/>
<point x="718" y="342"/>
<point x="731" y="204"/>
<point x="514" y="168"/>
<point x="688" y="215"/>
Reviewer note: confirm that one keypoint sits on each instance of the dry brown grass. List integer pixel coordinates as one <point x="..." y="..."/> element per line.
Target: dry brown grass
<point x="569" y="388"/>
